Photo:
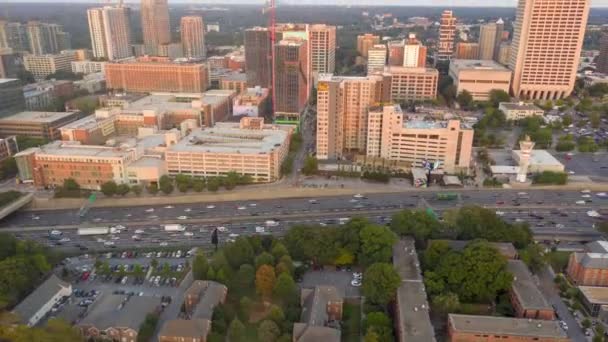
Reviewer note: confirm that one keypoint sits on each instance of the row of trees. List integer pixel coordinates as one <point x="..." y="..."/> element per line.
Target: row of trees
<point x="294" y="146"/>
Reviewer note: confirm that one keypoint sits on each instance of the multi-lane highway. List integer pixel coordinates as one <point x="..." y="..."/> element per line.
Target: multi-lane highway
<point x="550" y="214"/>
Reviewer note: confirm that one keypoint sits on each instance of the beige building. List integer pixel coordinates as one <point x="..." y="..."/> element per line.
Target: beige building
<point x="43" y="65"/>
<point x="466" y="50"/>
<point x="487" y="41"/>
<point x="412" y="83"/>
<point x="342" y="105"/>
<point x="365" y="42"/>
<point x="322" y="40"/>
<point x="479" y="77"/>
<point x="547" y="41"/>
<point x="504" y="53"/>
<point x="110" y="32"/>
<point x="520" y="110"/>
<point x="414" y="53"/>
<point x="88" y="67"/>
<point x="249" y="148"/>
<point x="376" y="58"/>
<point x="155" y="24"/>
<point x="413" y="140"/>
<point x="447" y="35"/>
<point x="192" y="31"/>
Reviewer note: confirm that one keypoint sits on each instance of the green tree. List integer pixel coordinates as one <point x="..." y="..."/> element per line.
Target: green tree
<point x="311" y="165"/>
<point x="265" y="280"/>
<point x="69" y="184"/>
<point x="377" y="319"/>
<point x="497" y="96"/>
<point x="433" y="254"/>
<point x="166" y="188"/>
<point x="123" y="189"/>
<point x="236" y="331"/>
<point x="380" y="283"/>
<point x="464" y="99"/>
<point x="567" y="120"/>
<point x="268" y="331"/>
<point x="146" y="330"/>
<point x="279" y="250"/>
<point x="239" y="252"/>
<point x="153" y="188"/>
<point x="586" y="323"/>
<point x="446" y="303"/>
<point x="371" y="336"/>
<point x="285" y="288"/>
<point x="376" y="244"/>
<point x="532" y="255"/>
<point x="245" y="276"/>
<point x="264" y="259"/>
<point x="416" y="223"/>
<point x="595" y="120"/>
<point x="213" y="184"/>
<point x="136" y="189"/>
<point x="198" y="185"/>
<point x="200" y="266"/>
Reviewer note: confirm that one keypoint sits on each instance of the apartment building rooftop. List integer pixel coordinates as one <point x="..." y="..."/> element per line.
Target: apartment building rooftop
<point x="61" y="148"/>
<point x="597" y="246"/>
<point x="117" y="311"/>
<point x="36" y="117"/>
<point x="230" y="138"/>
<point x="405" y="260"/>
<point x="519" y="106"/>
<point x="595" y="294"/>
<point x="506" y="326"/>
<point x="211" y="294"/>
<point x="414" y="313"/>
<point x="477" y="64"/>
<point x="524" y="287"/>
<point x="88" y="122"/>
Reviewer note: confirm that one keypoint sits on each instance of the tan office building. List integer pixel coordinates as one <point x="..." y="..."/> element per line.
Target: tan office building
<point x="376" y="58"/>
<point x="479" y="77"/>
<point x="322" y="41"/>
<point x="365" y="42"/>
<point x="412" y="83"/>
<point x="487" y="41"/>
<point x="43" y="65"/>
<point x="155" y="24"/>
<point x="396" y="137"/>
<point x="193" y="37"/>
<point x="546" y="47"/>
<point x="414" y="53"/>
<point x="150" y="74"/>
<point x="466" y="50"/>
<point x="342" y="105"/>
<point x="43" y="125"/>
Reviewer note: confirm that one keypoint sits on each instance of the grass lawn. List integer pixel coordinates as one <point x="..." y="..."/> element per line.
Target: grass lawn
<point x="351" y="329"/>
<point x="558" y="260"/>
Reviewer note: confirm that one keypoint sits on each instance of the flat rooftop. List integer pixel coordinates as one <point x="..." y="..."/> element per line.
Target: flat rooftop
<point x="236" y="76"/>
<point x="506" y="326"/>
<point x="36" y="117"/>
<point x="7" y="80"/>
<point x="87" y="122"/>
<point x="539" y="157"/>
<point x="229" y="138"/>
<point x="595" y="294"/>
<point x="477" y="64"/>
<point x="524" y="287"/>
<point x="116" y="311"/>
<point x="414" y="313"/>
<point x="59" y="148"/>
<point x="405" y="260"/>
<point x="519" y="106"/>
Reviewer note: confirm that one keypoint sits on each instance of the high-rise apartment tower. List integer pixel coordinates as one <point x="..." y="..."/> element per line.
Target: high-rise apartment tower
<point x="193" y="36"/>
<point x="110" y="31"/>
<point x="155" y="24"/>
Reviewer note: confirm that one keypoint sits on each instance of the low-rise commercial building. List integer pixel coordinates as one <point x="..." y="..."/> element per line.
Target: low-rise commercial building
<point x="43" y="65"/>
<point x="11" y="93"/>
<point x="412" y="320"/>
<point x="252" y="102"/>
<point x="150" y="74"/>
<point x="595" y="78"/>
<point x="526" y="298"/>
<point x="588" y="269"/>
<point x="88" y="67"/>
<point x="92" y="83"/>
<point x="44" y="125"/>
<point x="540" y="161"/>
<point x="479" y="77"/>
<point x="8" y="147"/>
<point x="393" y="136"/>
<point x="236" y="81"/>
<point x="593" y="298"/>
<point x="519" y="110"/>
<point x="249" y="148"/>
<point x="321" y="313"/>
<point x="117" y="317"/>
<point x="469" y="328"/>
<point x="40" y="302"/>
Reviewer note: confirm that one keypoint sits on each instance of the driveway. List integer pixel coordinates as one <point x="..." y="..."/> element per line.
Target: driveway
<point x="340" y="279"/>
<point x="550" y="291"/>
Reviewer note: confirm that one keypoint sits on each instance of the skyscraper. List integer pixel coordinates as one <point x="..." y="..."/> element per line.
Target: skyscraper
<point x="322" y="42"/>
<point x="155" y="24"/>
<point x="414" y="53"/>
<point x="257" y="57"/>
<point x="193" y="36"/>
<point x="365" y="42"/>
<point x="110" y="32"/>
<point x="14" y="36"/>
<point x="376" y="58"/>
<point x="44" y="38"/>
<point x="447" y="34"/>
<point x="291" y="78"/>
<point x="487" y="41"/>
<point x="395" y="52"/>
<point x="547" y="41"/>
<point x="500" y="29"/>
<point x="602" y="60"/>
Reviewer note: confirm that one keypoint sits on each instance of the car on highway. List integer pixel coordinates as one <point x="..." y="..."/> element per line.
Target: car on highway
<point x="188" y="234"/>
<point x="222" y="229"/>
<point x="586" y="191"/>
<point x="271" y="223"/>
<point x="65" y="239"/>
<point x="136" y="237"/>
<point x="210" y="206"/>
<point x="187" y="210"/>
<point x="150" y="210"/>
<point x="355" y="283"/>
<point x="358" y="196"/>
<point x="109" y="243"/>
<point x="241" y="208"/>
<point x="260" y="229"/>
<point x="163" y="244"/>
<point x="580" y="202"/>
<point x="182" y="217"/>
<point x="602" y="195"/>
<point x="139" y="231"/>
<point x="168" y="207"/>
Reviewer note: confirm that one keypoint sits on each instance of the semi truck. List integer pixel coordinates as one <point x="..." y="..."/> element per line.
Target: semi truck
<point x="97" y="231"/>
<point x="174" y="228"/>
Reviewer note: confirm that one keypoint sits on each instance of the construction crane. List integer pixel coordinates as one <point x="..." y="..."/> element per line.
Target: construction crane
<point x="270" y="10"/>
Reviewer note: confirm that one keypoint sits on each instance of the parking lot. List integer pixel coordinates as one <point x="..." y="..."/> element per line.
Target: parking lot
<point x="340" y="279"/>
<point x="594" y="165"/>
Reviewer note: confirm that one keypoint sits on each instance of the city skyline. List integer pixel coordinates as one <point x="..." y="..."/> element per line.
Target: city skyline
<point x="371" y="3"/>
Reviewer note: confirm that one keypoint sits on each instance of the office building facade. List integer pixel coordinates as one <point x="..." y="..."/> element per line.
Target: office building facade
<point x="376" y="59"/>
<point x="192" y="31"/>
<point x="258" y="50"/>
<point x="155" y="24"/>
<point x="465" y="50"/>
<point x="322" y="44"/>
<point x="43" y="65"/>
<point x="479" y="77"/>
<point x="291" y="78"/>
<point x="365" y="42"/>
<point x="110" y="31"/>
<point x="11" y="93"/>
<point x="487" y="41"/>
<point x="602" y="59"/>
<point x="417" y="84"/>
<point x="546" y="47"/>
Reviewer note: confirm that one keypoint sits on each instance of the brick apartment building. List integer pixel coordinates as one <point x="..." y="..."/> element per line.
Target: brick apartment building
<point x="469" y="328"/>
<point x="526" y="298"/>
<point x="588" y="269"/>
<point x="44" y="125"/>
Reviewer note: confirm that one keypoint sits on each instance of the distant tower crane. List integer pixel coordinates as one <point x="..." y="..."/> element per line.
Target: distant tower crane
<point x="270" y="9"/>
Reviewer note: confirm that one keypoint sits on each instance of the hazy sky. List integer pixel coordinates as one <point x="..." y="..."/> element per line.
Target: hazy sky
<point x="442" y="3"/>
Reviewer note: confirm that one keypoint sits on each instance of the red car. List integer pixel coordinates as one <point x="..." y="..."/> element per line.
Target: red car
<point x="85" y="276"/>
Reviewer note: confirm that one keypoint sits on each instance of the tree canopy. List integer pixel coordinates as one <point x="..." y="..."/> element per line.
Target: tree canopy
<point x="380" y="283"/>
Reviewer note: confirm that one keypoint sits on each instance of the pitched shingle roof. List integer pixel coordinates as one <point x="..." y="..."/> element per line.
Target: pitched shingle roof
<point x="42" y="295"/>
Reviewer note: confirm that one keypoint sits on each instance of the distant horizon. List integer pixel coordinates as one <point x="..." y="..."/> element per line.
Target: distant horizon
<point x="341" y="3"/>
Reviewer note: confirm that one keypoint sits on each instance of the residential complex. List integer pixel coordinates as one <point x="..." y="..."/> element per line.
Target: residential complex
<point x="376" y="58"/>
<point x="192" y="31"/>
<point x="468" y="328"/>
<point x="465" y="50"/>
<point x="11" y="92"/>
<point x="488" y="34"/>
<point x="588" y="269"/>
<point x="414" y="53"/>
<point x="43" y="65"/>
<point x="526" y="298"/>
<point x="394" y="136"/>
<point x="366" y="42"/>
<point x="45" y="38"/>
<point x="155" y="24"/>
<point x="248" y="148"/>
<point x="519" y="110"/>
<point x="547" y="41"/>
<point x="236" y="81"/>
<point x="110" y="31"/>
<point x="13" y="36"/>
<point x="40" y="302"/>
<point x="291" y="78"/>
<point x="150" y="74"/>
<point x="257" y="57"/>
<point x="412" y="83"/>
<point x="43" y="125"/>
<point x="412" y="321"/>
<point x="321" y="308"/>
<point x="447" y="35"/>
<point x="322" y="44"/>
<point x="88" y="67"/>
<point x="479" y="77"/>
